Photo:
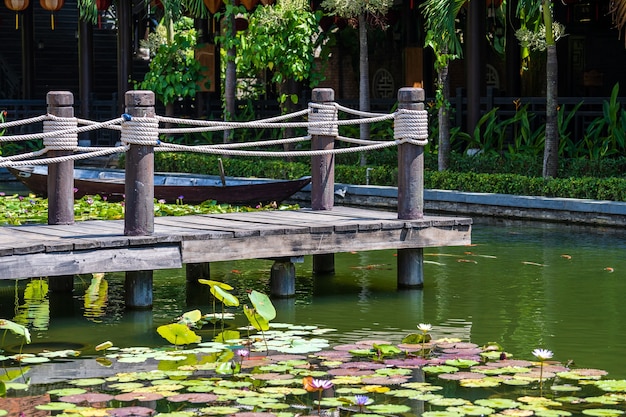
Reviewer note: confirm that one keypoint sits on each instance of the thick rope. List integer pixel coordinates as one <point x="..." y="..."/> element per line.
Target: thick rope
<point x="66" y="138"/>
<point x="323" y="120"/>
<point x="140" y="131"/>
<point x="411" y="125"/>
<point x="36" y="119"/>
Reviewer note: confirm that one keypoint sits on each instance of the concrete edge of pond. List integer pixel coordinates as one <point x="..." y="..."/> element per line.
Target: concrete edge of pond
<point x="570" y="210"/>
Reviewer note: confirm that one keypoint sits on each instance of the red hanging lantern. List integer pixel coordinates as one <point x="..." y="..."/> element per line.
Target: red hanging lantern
<point x="17" y="6"/>
<point x="52" y="6"/>
<point x="102" y="6"/>
<point x="249" y="4"/>
<point x="213" y="5"/>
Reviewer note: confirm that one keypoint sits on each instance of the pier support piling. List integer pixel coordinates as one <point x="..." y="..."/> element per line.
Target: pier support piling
<point x="283" y="278"/>
<point x="411" y="186"/>
<point x="138" y="290"/>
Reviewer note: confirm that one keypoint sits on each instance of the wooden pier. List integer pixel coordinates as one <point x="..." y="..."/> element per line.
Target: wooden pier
<point x="101" y="246"/>
<point x="142" y="243"/>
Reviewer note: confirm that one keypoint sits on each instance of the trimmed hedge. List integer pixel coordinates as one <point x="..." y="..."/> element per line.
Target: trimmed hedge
<point x="472" y="179"/>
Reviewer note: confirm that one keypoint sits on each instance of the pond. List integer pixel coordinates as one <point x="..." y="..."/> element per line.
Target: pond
<point x="523" y="285"/>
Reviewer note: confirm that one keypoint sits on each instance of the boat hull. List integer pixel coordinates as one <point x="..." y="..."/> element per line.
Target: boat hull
<point x="171" y="187"/>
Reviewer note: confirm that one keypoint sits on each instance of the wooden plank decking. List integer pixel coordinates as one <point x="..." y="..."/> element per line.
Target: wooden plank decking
<point x="100" y="246"/>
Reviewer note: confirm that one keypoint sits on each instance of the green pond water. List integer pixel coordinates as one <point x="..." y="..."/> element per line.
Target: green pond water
<point x="524" y="285"/>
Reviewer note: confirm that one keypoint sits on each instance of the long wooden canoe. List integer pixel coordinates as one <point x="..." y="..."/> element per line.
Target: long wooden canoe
<point x="190" y="188"/>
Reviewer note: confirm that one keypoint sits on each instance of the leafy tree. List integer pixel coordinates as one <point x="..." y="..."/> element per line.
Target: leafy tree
<point x="361" y="13"/>
<point x="173" y="72"/>
<point x="441" y="36"/>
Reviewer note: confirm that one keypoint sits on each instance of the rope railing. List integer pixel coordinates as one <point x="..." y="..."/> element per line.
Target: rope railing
<point x="62" y="133"/>
<point x="142" y="134"/>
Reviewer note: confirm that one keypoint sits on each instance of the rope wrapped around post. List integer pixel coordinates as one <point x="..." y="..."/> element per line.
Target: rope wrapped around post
<point x="323" y="136"/>
<point x="411" y="126"/>
<point x="140" y="131"/>
<point x="67" y="136"/>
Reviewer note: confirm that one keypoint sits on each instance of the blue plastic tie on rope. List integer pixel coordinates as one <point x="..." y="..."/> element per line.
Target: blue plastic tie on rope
<point x="127" y="117"/>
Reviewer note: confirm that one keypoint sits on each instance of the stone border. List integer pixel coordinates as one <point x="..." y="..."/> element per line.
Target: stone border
<point x="570" y="210"/>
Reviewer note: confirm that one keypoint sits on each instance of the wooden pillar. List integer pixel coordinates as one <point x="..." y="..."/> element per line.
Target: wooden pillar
<point x="323" y="167"/>
<point x="195" y="292"/>
<point x="139" y="186"/>
<point x="61" y="174"/>
<point x="138" y="289"/>
<point x="410" y="190"/>
<point x="283" y="278"/>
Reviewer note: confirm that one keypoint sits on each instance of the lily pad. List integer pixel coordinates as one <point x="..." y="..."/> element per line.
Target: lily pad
<point x="55" y="406"/>
<point x="389" y="408"/>
<point x="602" y="412"/>
<point x="221" y="410"/>
<point x="499" y="403"/>
<point x="448" y="402"/>
<point x="472" y="410"/>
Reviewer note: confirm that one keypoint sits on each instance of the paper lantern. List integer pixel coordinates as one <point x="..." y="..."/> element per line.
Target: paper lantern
<point x="17" y="6"/>
<point x="213" y="5"/>
<point x="249" y="4"/>
<point x="52" y="6"/>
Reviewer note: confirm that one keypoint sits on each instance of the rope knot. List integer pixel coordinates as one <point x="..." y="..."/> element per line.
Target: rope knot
<point x="140" y="130"/>
<point x="323" y="120"/>
<point x="66" y="138"/>
<point x="411" y="126"/>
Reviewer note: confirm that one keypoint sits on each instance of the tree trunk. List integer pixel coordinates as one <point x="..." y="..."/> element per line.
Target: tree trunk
<point x="364" y="81"/>
<point x="443" y="157"/>
<point x="551" y="149"/>
<point x="230" y="82"/>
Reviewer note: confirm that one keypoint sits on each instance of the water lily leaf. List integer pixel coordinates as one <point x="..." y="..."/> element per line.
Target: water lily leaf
<point x="212" y="283"/>
<point x="134" y="411"/>
<point x="440" y="369"/>
<point x="497" y="403"/>
<point x="461" y="363"/>
<point x="565" y="387"/>
<point x="11" y="374"/>
<point x="178" y="334"/>
<point x="480" y="383"/>
<point x="67" y="391"/>
<point x="263" y="305"/>
<point x="552" y="413"/>
<point x="36" y="359"/>
<point x="602" y="412"/>
<point x="257" y="321"/>
<point x="219" y="410"/>
<point x="518" y="382"/>
<point x="193" y="398"/>
<point x="441" y="414"/>
<point x="256" y="401"/>
<point x="603" y="399"/>
<point x="15" y="328"/>
<point x="224" y="296"/>
<point x="448" y="402"/>
<point x="55" y="406"/>
<point x="87" y="382"/>
<point x="227" y="336"/>
<point x="89" y="397"/>
<point x="389" y="408"/>
<point x="471" y="410"/>
<point x="416" y="338"/>
<point x="178" y="414"/>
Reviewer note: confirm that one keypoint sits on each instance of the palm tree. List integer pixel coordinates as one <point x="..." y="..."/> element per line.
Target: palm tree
<point x="440" y="17"/>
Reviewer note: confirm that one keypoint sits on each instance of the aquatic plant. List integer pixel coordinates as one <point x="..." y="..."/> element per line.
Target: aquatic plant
<point x="542" y="355"/>
<point x="317" y="385"/>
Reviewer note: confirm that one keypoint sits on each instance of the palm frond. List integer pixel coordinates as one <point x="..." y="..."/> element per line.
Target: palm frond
<point x="618" y="13"/>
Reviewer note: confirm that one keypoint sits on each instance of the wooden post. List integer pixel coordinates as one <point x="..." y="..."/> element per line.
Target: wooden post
<point x="283" y="278"/>
<point x="138" y="289"/>
<point x="139" y="187"/>
<point x="323" y="168"/>
<point x="410" y="192"/>
<point x="61" y="174"/>
<point x="195" y="292"/>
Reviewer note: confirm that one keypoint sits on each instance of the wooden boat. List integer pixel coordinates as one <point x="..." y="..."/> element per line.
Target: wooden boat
<point x="190" y="188"/>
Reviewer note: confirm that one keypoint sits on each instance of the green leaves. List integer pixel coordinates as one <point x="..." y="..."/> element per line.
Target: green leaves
<point x="178" y="334"/>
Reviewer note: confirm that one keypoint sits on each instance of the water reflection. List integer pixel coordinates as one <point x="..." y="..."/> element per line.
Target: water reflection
<point x="513" y="287"/>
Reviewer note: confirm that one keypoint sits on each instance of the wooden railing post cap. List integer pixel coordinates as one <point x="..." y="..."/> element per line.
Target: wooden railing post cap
<point x="411" y="95"/>
<point x="139" y="98"/>
<point x="60" y="98"/>
<point x="322" y="95"/>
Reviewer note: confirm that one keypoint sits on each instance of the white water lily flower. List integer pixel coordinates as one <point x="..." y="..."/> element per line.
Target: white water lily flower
<point x="542" y="354"/>
<point x="424" y="327"/>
